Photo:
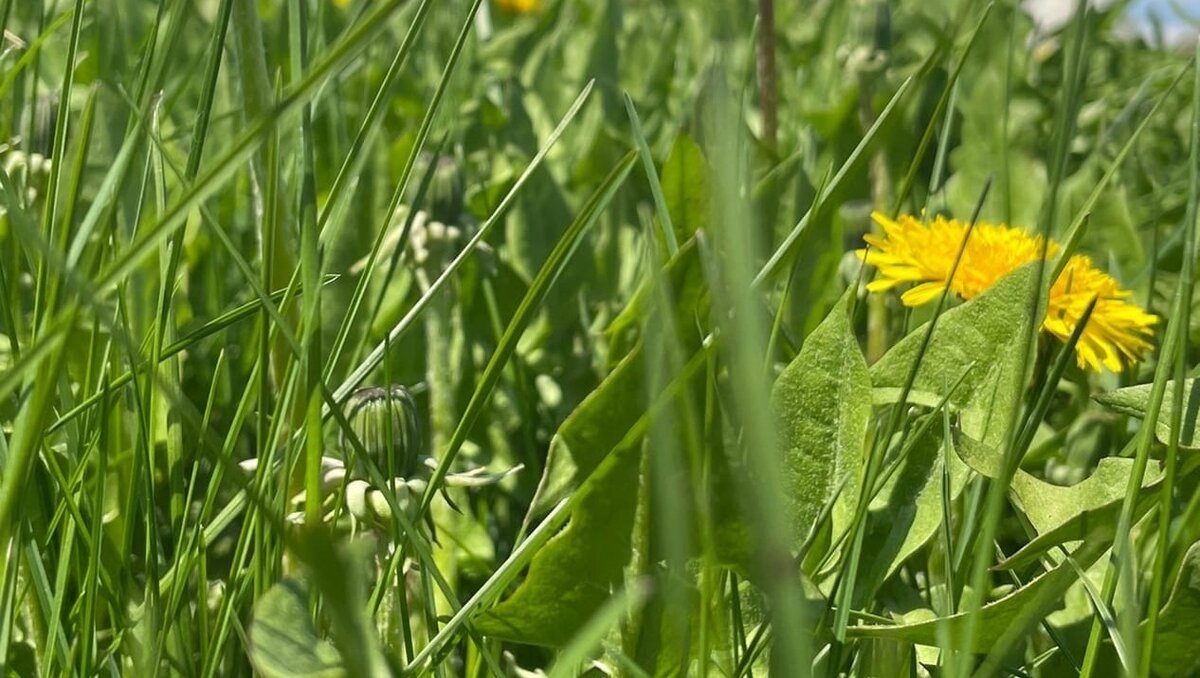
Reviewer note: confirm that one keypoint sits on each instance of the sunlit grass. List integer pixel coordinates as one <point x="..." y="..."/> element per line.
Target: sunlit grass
<point x="492" y="338"/>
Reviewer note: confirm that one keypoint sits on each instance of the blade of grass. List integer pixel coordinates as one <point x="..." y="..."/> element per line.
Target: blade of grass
<point x="402" y="185"/>
<point x="849" y="572"/>
<point x="1122" y="556"/>
<point x="45" y="292"/>
<point x="352" y="163"/>
<point x="728" y="261"/>
<point x="555" y="262"/>
<point x="784" y="248"/>
<point x="997" y="490"/>
<point x="660" y="203"/>
<point x="1186" y="290"/>
<point x="229" y="163"/>
<point x="572" y="658"/>
<point x="373" y="359"/>
<point x="189" y="340"/>
<point x="939" y="109"/>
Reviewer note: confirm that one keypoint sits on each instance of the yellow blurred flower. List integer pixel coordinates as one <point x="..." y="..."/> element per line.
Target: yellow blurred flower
<point x="923" y="253"/>
<point x="519" y="6"/>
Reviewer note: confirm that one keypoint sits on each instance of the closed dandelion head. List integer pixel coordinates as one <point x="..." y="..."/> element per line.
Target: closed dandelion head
<point x="922" y="253"/>
<point x="384" y="419"/>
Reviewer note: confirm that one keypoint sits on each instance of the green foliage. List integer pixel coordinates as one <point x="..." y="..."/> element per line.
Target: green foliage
<point x="914" y="511"/>
<point x="1011" y="615"/>
<point x="283" y="640"/>
<point x="1133" y="400"/>
<point x="573" y="575"/>
<point x="1061" y="515"/>
<point x="977" y="343"/>
<point x="1176" y="655"/>
<point x="823" y="401"/>
<point x="650" y="420"/>
<point x="595" y="459"/>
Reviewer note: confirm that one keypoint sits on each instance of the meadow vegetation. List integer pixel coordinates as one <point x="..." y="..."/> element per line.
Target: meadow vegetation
<point x="596" y="337"/>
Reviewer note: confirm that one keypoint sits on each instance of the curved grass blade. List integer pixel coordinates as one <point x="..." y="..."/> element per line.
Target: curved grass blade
<point x="551" y="269"/>
<point x="373" y="359"/>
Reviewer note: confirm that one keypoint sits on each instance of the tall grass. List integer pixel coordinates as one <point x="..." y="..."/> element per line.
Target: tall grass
<point x="652" y="422"/>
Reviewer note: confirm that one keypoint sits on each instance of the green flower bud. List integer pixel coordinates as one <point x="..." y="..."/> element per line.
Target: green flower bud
<point x="384" y="419"/>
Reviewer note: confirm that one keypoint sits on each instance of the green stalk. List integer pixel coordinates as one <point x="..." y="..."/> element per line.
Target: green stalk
<point x="1185" y="291"/>
<point x="277" y="250"/>
<point x="310" y="272"/>
<point x="849" y="573"/>
<point x="997" y="490"/>
<point x="47" y="286"/>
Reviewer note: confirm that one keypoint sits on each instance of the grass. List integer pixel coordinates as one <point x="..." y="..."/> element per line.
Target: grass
<point x="651" y="420"/>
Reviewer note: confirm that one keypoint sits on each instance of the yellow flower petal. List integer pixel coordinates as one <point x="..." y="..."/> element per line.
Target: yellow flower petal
<point x="923" y="252"/>
<point x="923" y="293"/>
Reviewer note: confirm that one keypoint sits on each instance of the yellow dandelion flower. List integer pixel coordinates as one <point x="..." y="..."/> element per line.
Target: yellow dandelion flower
<point x="922" y="253"/>
<point x="520" y="6"/>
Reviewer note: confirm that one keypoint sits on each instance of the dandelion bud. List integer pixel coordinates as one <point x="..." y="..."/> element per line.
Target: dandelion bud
<point x="384" y="419"/>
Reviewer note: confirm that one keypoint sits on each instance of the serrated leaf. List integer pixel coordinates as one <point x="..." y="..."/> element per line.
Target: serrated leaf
<point x="579" y="568"/>
<point x="594" y="460"/>
<point x="986" y="332"/>
<point x="284" y="641"/>
<point x="1050" y="506"/>
<point x="1013" y="613"/>
<point x="1134" y="400"/>
<point x="823" y="402"/>
<point x="1063" y="514"/>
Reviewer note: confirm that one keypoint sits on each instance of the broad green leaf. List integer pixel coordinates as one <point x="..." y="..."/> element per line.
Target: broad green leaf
<point x="1050" y="506"/>
<point x="685" y="187"/>
<point x="1063" y="514"/>
<point x="1013" y="613"/>
<point x="579" y="568"/>
<point x="1175" y="650"/>
<point x="284" y="641"/>
<point x="591" y="432"/>
<point x="913" y="512"/>
<point x="606" y="414"/>
<point x="596" y="455"/>
<point x="823" y="402"/>
<point x="986" y="332"/>
<point x="339" y="574"/>
<point x="1134" y="399"/>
